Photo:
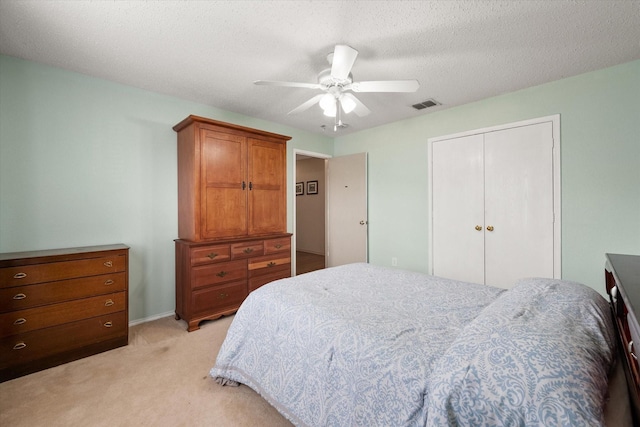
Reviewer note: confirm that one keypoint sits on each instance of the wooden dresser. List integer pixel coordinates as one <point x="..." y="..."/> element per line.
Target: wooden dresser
<point x="61" y="305"/>
<point x="622" y="276"/>
<point x="216" y="277"/>
<point x="232" y="216"/>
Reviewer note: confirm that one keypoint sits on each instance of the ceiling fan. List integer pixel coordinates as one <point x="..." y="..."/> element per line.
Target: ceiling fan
<point x="337" y="83"/>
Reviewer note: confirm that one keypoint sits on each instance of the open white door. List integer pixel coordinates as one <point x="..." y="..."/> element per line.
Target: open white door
<point x="347" y="227"/>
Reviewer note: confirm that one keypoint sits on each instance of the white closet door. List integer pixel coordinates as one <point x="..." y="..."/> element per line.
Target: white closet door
<point x="518" y="204"/>
<point x="458" y="208"/>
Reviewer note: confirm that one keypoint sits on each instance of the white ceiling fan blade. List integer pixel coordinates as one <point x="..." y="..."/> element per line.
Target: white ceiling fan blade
<point x="360" y="109"/>
<point x="343" y="58"/>
<point x="386" y="86"/>
<point x="306" y="105"/>
<point x="287" y="84"/>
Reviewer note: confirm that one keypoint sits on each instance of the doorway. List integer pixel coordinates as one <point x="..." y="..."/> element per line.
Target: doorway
<point x="309" y="212"/>
<point x="330" y="211"/>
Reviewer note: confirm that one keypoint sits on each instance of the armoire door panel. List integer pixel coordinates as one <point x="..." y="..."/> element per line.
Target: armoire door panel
<point x="224" y="157"/>
<point x="458" y="208"/>
<point x="224" y="187"/>
<point x="265" y="163"/>
<point x="224" y="212"/>
<point x="266" y="213"/>
<point x="267" y="192"/>
<point x="519" y="204"/>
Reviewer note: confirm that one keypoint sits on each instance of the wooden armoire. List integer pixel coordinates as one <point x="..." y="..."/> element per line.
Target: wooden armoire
<point x="232" y="216"/>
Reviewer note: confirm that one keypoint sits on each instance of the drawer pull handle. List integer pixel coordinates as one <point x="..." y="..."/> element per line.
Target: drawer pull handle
<point x="19" y="346"/>
<point x="212" y="255"/>
<point x="271" y="264"/>
<point x="248" y="250"/>
<point x="278" y="246"/>
<point x="108" y="264"/>
<point x="19" y="296"/>
<point x="20" y="275"/>
<point x="630" y="349"/>
<point x="108" y="282"/>
<point x="222" y="274"/>
<point x="108" y="324"/>
<point x="222" y="296"/>
<point x="20" y="321"/>
<point x="108" y="303"/>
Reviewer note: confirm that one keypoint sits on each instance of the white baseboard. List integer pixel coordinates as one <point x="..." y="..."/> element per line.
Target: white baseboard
<point x="151" y="318"/>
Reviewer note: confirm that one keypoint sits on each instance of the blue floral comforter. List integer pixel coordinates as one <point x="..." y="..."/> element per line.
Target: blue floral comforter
<point x="361" y="345"/>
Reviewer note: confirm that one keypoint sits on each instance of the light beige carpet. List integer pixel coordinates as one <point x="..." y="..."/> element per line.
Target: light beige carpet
<point x="159" y="379"/>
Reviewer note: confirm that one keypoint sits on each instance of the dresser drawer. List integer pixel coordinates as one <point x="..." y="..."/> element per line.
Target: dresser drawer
<point x="277" y="245"/>
<point x="218" y="298"/>
<point x="209" y="254"/>
<point x="247" y="249"/>
<point x="213" y="274"/>
<point x="47" y="272"/>
<point x="42" y="343"/>
<point x="280" y="272"/>
<point x="21" y="297"/>
<point x="265" y="263"/>
<point x="30" y="319"/>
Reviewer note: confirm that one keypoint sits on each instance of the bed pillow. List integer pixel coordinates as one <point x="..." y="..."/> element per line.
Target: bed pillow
<point x="537" y="356"/>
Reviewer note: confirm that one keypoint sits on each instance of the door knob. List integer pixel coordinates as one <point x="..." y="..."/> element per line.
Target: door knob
<point x="489" y="227"/>
<point x="363" y="222"/>
<point x="478" y="227"/>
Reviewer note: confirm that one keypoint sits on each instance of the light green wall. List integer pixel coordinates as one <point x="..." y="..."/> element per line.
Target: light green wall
<point x="600" y="168"/>
<point x="84" y="161"/>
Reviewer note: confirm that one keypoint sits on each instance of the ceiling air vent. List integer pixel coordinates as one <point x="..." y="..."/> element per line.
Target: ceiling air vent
<point x="426" y="104"/>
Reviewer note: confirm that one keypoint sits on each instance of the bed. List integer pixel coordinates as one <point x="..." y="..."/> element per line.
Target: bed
<point x="363" y="345"/>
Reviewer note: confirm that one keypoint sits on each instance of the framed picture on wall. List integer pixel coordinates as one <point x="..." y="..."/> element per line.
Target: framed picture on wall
<point x="299" y="188"/>
<point x="312" y="187"/>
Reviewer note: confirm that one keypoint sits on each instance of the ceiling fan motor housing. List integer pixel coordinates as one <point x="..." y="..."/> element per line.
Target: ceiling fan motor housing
<point x="327" y="81"/>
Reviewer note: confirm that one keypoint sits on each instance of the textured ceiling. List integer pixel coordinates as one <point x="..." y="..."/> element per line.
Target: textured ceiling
<point x="212" y="51"/>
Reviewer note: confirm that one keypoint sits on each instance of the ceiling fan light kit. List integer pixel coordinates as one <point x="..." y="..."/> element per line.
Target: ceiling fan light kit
<point x="337" y="82"/>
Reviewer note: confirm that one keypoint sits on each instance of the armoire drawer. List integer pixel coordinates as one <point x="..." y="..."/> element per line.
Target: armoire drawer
<point x="218" y="297"/>
<point x="210" y="254"/>
<point x="21" y="297"/>
<point x="281" y="272"/>
<point x="262" y="264"/>
<point x="21" y="321"/>
<point x="277" y="245"/>
<point x="42" y="343"/>
<point x="207" y="275"/>
<point x="47" y="272"/>
<point x="247" y="249"/>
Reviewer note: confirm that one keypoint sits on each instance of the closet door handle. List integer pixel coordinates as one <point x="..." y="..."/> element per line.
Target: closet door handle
<point x="250" y="185"/>
<point x="478" y="227"/>
<point x="489" y="227"/>
<point x="244" y="185"/>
